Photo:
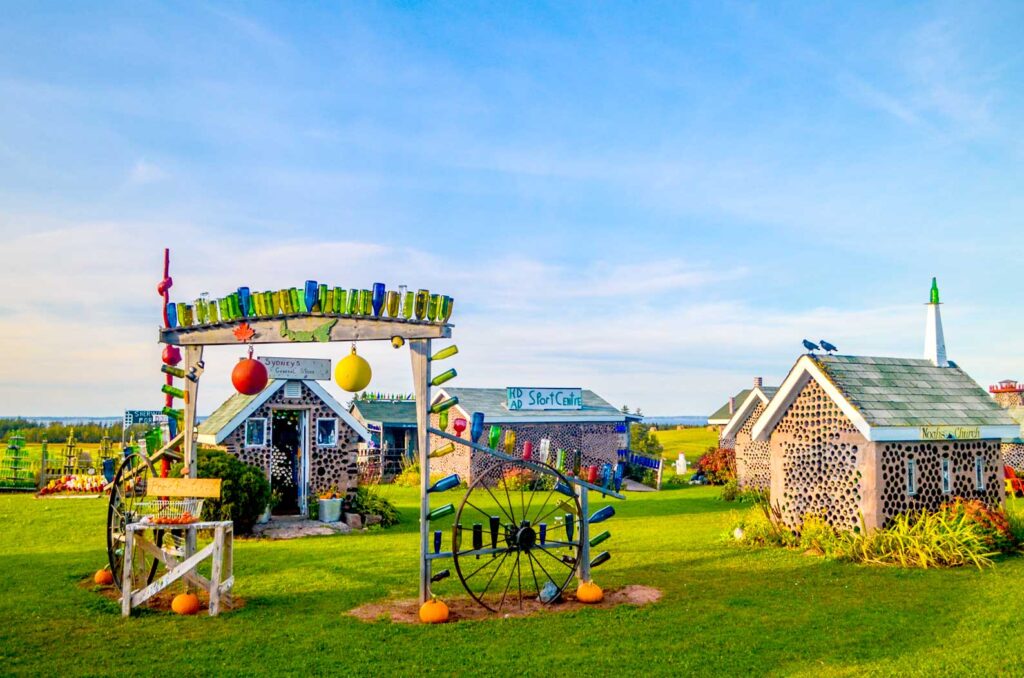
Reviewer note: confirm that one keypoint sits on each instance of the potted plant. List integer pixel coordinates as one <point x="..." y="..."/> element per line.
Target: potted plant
<point x="330" y="505"/>
<point x="275" y="499"/>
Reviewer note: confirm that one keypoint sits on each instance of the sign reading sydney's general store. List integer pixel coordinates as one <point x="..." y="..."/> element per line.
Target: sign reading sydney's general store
<point x="297" y="368"/>
<point x="526" y="398"/>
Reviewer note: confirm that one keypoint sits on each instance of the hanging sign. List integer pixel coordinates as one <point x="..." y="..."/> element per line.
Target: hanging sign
<point x="297" y="368"/>
<point x="527" y="398"/>
<point x="950" y="433"/>
<point x="144" y="417"/>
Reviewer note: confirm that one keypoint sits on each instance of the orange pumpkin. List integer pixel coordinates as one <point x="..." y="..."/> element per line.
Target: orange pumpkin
<point x="589" y="592"/>
<point x="185" y="603"/>
<point x="433" y="611"/>
<point x="103" y="577"/>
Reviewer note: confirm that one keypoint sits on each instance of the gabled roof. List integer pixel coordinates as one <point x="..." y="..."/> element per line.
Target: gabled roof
<point x="758" y="394"/>
<point x="492" y="402"/>
<point x="722" y="415"/>
<point x="387" y="412"/>
<point x="891" y="398"/>
<point x="236" y="409"/>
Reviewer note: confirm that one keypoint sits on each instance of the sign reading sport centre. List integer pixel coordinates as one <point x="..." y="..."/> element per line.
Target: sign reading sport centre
<point x="524" y="398"/>
<point x="297" y="368"/>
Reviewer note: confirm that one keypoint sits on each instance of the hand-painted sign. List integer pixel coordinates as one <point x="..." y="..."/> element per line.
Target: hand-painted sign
<point x="297" y="368"/>
<point x="525" y="398"/>
<point x="144" y="417"/>
<point x="950" y="433"/>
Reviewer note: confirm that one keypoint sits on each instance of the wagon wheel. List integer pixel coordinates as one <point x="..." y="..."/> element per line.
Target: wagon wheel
<point x="516" y="530"/>
<point x="126" y="491"/>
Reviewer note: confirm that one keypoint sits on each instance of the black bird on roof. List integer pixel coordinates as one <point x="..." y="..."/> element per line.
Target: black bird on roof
<point x="829" y="348"/>
<point x="811" y="346"/>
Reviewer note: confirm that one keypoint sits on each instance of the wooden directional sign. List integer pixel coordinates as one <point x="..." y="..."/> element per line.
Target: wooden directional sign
<point x="297" y="368"/>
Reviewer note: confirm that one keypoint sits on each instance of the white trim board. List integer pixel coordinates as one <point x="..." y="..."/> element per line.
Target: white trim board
<point x="748" y="405"/>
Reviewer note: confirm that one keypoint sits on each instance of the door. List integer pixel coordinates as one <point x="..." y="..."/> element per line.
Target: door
<point x="286" y="461"/>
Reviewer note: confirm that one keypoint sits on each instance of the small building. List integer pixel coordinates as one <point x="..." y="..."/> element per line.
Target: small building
<point x="391" y="421"/>
<point x="589" y="429"/>
<point x="752" y="468"/>
<point x="1010" y="395"/>
<point x="854" y="437"/>
<point x="296" y="432"/>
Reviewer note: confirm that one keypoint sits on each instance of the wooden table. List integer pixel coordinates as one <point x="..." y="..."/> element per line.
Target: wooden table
<point x="221" y="552"/>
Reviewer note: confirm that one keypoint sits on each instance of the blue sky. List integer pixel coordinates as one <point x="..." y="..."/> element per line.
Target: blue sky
<point x="654" y="201"/>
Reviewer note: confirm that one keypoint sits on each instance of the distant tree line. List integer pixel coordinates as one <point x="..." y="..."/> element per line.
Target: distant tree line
<point x="34" y="431"/>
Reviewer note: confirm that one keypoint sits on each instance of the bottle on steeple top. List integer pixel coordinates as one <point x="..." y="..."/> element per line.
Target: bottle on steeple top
<point x="934" y="297"/>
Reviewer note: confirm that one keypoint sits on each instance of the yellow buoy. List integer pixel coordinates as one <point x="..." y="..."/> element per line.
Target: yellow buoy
<point x="352" y="373"/>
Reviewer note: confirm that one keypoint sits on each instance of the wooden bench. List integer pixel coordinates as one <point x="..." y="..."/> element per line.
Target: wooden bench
<point x="220" y="551"/>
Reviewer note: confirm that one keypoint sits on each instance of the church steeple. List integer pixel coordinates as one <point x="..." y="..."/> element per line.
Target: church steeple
<point x="934" y="342"/>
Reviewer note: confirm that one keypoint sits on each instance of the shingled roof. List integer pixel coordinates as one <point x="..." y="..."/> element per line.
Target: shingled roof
<point x="387" y="412"/>
<point x="493" y="403"/>
<point x="891" y="398"/>
<point x="722" y="415"/>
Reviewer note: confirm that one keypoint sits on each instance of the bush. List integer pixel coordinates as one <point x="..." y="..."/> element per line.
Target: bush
<point x="367" y="501"/>
<point x="244" y="490"/>
<point x="730" y="491"/>
<point x="410" y="477"/>
<point x="719" y="465"/>
<point x="677" y="480"/>
<point x="519" y="477"/>
<point x="993" y="524"/>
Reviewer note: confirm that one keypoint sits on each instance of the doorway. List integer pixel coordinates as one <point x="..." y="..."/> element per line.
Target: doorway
<point x="287" y="463"/>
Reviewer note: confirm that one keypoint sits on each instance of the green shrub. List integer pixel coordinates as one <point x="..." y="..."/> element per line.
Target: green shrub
<point x="758" y="527"/>
<point x="730" y="491"/>
<point x="244" y="490"/>
<point x="410" y="477"/>
<point x="676" y="480"/>
<point x="366" y="501"/>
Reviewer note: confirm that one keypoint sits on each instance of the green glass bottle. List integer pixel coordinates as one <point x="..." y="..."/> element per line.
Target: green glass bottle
<point x="443" y="450"/>
<point x="353" y="302"/>
<point x="446" y="352"/>
<point x="212" y="312"/>
<point x="171" y="412"/>
<point x="287" y="302"/>
<point x="366" y="302"/>
<point x="408" y="304"/>
<point x="321" y="294"/>
<point x="494" y="436"/>
<point x="172" y="391"/>
<point x="441" y="512"/>
<point x="268" y="303"/>
<point x="422" y="302"/>
<point x="443" y="405"/>
<point x="443" y="377"/>
<point x="200" y="307"/>
<point x="257" y="305"/>
<point x="225" y="309"/>
<point x="275" y="303"/>
<point x="173" y="371"/>
<point x="391" y="303"/>
<point x="300" y="301"/>
<point x="434" y="308"/>
<point x="446" y="309"/>
<point x="442" y="421"/>
<point x="339" y="300"/>
<point x="597" y="539"/>
<point x="185" y="315"/>
<point x="236" y="308"/>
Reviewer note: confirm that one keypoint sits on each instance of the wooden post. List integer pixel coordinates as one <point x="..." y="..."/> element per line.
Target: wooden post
<point x="193" y="356"/>
<point x="661" y="470"/>
<point x="419" y="350"/>
<point x="215" y="572"/>
<point x="126" y="572"/>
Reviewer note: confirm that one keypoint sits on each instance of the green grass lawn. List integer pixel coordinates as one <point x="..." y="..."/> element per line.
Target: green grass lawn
<point x="725" y="610"/>
<point x="692" y="442"/>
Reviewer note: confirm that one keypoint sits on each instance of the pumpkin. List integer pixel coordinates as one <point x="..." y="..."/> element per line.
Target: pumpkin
<point x="185" y="603"/>
<point x="433" y="611"/>
<point x="103" y="577"/>
<point x="589" y="592"/>
<point x="352" y="373"/>
<point x="249" y="376"/>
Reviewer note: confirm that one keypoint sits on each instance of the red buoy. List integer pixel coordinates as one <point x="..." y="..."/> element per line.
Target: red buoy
<point x="249" y="376"/>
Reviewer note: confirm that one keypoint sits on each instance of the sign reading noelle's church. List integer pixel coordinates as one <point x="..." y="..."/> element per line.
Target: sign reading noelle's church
<point x="524" y="398"/>
<point x="950" y="433"/>
<point x="297" y="368"/>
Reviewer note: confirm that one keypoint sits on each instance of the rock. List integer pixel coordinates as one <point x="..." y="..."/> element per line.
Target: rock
<point x="354" y="520"/>
<point x="373" y="519"/>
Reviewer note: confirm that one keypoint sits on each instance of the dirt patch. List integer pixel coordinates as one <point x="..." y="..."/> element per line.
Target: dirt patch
<point x="464" y="608"/>
<point x="161" y="602"/>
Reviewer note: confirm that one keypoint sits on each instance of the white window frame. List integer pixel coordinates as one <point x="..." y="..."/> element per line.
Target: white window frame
<point x="245" y="432"/>
<point x="979" y="474"/>
<point x="947" y="475"/>
<point x="911" y="477"/>
<point x="317" y="438"/>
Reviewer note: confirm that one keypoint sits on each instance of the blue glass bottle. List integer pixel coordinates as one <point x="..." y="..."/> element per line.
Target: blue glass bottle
<point x="245" y="302"/>
<point x="312" y="295"/>
<point x="477" y="428"/>
<point x="378" y="298"/>
<point x="172" y="315"/>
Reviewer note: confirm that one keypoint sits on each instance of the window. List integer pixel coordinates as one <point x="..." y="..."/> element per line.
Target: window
<point x="979" y="473"/>
<point x="293" y="390"/>
<point x="946" y="480"/>
<point x="256" y="432"/>
<point x="327" y="432"/>
<point x="911" y="477"/>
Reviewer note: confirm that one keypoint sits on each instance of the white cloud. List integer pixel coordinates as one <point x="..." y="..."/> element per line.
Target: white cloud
<point x="144" y="172"/>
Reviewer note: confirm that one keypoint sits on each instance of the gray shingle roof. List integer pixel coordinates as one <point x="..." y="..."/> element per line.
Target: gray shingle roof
<point x="400" y="413"/>
<point x="723" y="413"/>
<point x="911" y="392"/>
<point x="492" y="402"/>
<point x="228" y="410"/>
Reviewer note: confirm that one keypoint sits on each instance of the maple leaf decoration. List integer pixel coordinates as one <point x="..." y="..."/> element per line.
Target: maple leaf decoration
<point x="244" y="333"/>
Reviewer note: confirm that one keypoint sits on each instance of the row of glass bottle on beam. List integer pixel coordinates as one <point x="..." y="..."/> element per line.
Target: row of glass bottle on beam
<point x="379" y="302"/>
